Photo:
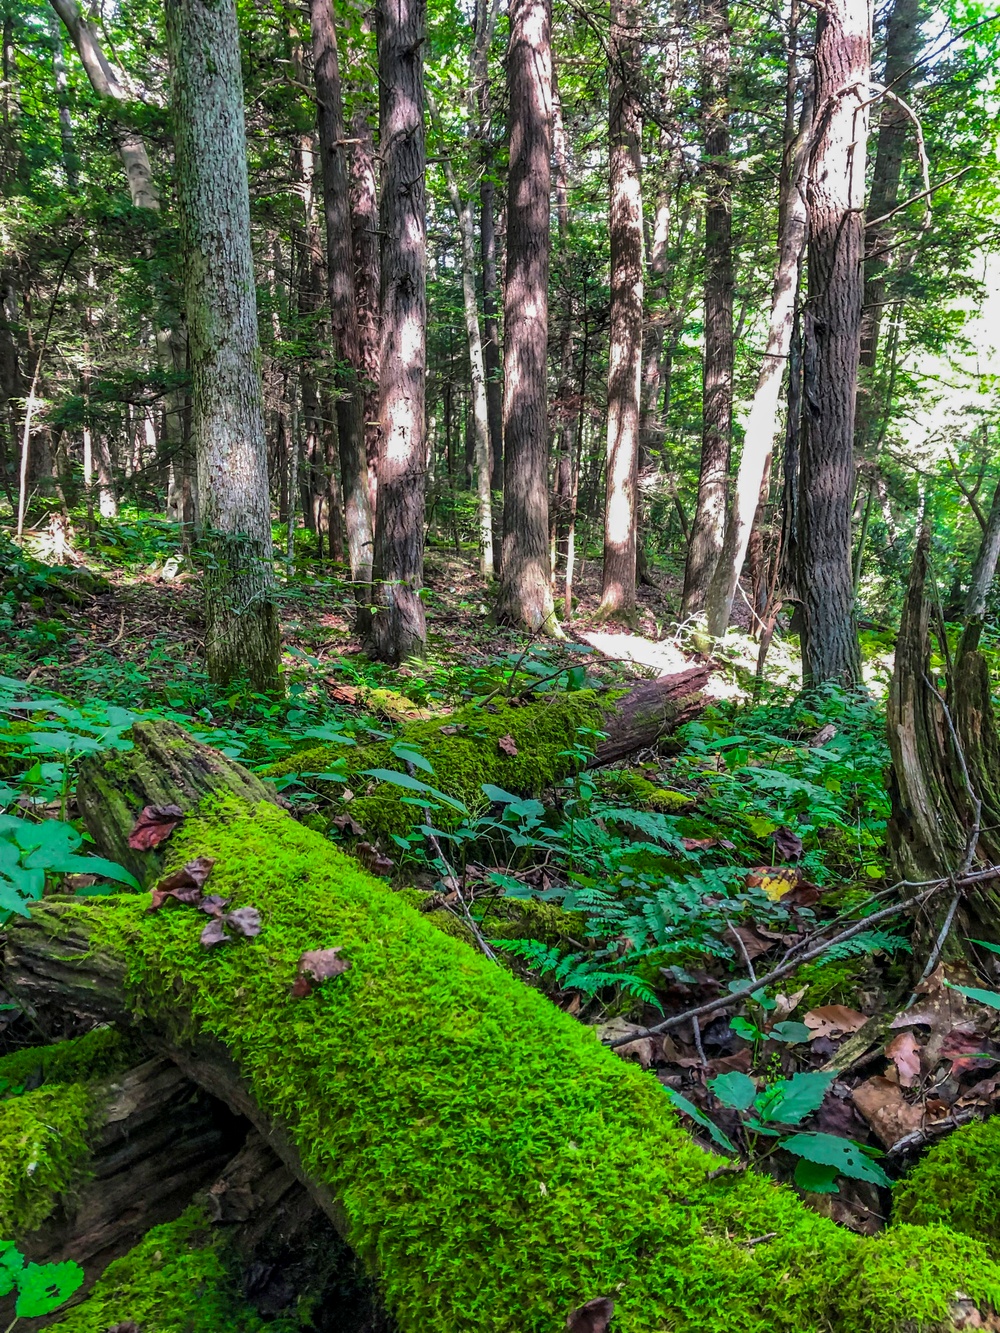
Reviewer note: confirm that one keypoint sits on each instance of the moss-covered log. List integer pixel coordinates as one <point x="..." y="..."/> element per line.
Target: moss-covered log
<point x="485" y="1157"/>
<point x="523" y="744"/>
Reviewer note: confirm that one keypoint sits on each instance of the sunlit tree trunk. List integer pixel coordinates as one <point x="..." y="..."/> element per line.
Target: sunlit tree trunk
<point x="717" y="380"/>
<point x="836" y="197"/>
<point x="491" y="326"/>
<point x="625" y="347"/>
<point x="398" y="628"/>
<point x="365" y="242"/>
<point x="763" y="421"/>
<point x="241" y="629"/>
<point x="343" y="304"/>
<point x="525" y="593"/>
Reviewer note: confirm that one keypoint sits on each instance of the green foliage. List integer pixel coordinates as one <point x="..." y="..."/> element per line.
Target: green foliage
<point x="29" y="851"/>
<point x="468" y="1127"/>
<point x="41" y="1288"/>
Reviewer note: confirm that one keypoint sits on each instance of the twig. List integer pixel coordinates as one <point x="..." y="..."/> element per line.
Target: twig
<point x="915" y="199"/>
<point x="696" y="1033"/>
<point x="939" y="943"/>
<point x="925" y="165"/>
<point x="743" y="950"/>
<point x="723" y="1002"/>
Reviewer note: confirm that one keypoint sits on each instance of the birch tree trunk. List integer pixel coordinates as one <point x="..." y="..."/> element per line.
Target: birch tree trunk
<point x="717" y="380"/>
<point x="343" y="305"/>
<point x="762" y="423"/>
<point x="398" y="628"/>
<point x="836" y="197"/>
<point x="625" y="350"/>
<point x="241" y="633"/>
<point x="525" y="592"/>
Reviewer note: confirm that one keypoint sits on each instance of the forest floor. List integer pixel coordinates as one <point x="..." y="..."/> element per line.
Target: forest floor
<point x="644" y="891"/>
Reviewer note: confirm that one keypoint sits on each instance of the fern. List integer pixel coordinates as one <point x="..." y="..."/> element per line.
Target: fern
<point x="869" y="941"/>
<point x="578" y="971"/>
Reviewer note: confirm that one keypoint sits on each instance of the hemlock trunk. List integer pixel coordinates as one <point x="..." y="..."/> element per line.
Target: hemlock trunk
<point x="398" y="627"/>
<point x="525" y="589"/>
<point x="241" y="633"/>
<point x="625" y="351"/>
<point x="448" y="1119"/>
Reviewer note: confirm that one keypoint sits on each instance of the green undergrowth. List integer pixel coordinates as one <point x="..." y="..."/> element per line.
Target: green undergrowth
<point x="464" y="751"/>
<point x="44" y="1150"/>
<point x="957" y="1183"/>
<point x="496" y="1167"/>
<point x="97" y="1054"/>
<point x="176" y="1280"/>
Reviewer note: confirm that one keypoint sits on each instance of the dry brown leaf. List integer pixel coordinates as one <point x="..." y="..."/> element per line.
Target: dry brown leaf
<point x="348" y="824"/>
<point x="753" y="941"/>
<point x="372" y="859"/>
<point x="245" y="921"/>
<point x="214" y="933"/>
<point x="642" y="1049"/>
<point x="887" y="1111"/>
<point x="185" y="885"/>
<point x="508" y="746"/>
<point x="594" y="1317"/>
<point x="154" y="825"/>
<point x="316" y="966"/>
<point x="904" y="1053"/>
<point x="832" y="1020"/>
<point x="787" y="844"/>
<point x="785" y="1005"/>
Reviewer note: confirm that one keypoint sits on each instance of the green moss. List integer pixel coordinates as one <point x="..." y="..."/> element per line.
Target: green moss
<point x="463" y="760"/>
<point x="176" y="1280"/>
<point x="43" y="1152"/>
<point x="495" y="1165"/>
<point x="957" y="1183"/>
<point x="828" y="983"/>
<point x="626" y="784"/>
<point x="97" y="1054"/>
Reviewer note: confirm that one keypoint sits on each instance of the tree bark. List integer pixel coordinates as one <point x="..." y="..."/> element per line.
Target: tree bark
<point x="764" y="411"/>
<point x="491" y="327"/>
<point x="835" y="194"/>
<point x="709" y="522"/>
<point x="343" y="305"/>
<point x="625" y="346"/>
<point x="398" y="627"/>
<point x="364" y="237"/>
<point x="525" y="591"/>
<point x="241" y="631"/>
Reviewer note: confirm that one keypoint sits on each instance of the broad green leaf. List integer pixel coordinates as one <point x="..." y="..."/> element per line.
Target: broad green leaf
<point x="409" y="755"/>
<point x="329" y="734"/>
<point x="794" y="1098"/>
<point x="99" y="865"/>
<point x="700" y="1118"/>
<point x="744" y="1028"/>
<point x="498" y="794"/>
<point x="735" y="1089"/>
<point x="815" y="1178"/>
<point x="414" y="784"/>
<point x="11" y="1263"/>
<point x="990" y="997"/>
<point x="985" y="944"/>
<point x="790" y="1032"/>
<point x="843" y="1154"/>
<point x="43" y="1287"/>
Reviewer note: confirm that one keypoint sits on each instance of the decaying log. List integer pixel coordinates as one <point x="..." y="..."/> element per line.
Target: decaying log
<point x="648" y="713"/>
<point x="492" y="1166"/>
<point x="158" y="1139"/>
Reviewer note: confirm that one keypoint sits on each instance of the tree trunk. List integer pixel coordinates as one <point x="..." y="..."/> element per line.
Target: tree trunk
<point x="625" y="348"/>
<point x="364" y="237"/>
<point x="354" y="1087"/>
<point x="343" y="305"/>
<point x="398" y="628"/>
<point x="241" y="630"/>
<point x="71" y="162"/>
<point x="717" y="381"/>
<point x="491" y="327"/>
<point x="525" y="591"/>
<point x="835" y="194"/>
<point x="764" y="411"/>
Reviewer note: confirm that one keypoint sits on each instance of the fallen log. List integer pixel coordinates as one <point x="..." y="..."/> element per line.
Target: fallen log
<point x="523" y="744"/>
<point x="490" y="1163"/>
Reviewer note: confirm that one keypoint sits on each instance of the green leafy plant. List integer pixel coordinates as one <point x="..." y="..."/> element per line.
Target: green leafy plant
<point x="28" y="851"/>
<point x="766" y="1111"/>
<point x="41" y="1288"/>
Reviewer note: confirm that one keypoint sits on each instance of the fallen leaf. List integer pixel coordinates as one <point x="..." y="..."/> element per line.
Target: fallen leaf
<point x="343" y="694"/>
<point x="154" y="825"/>
<point x="214" y="933"/>
<point x="776" y="881"/>
<point x="212" y="904"/>
<point x="451" y="730"/>
<point x="372" y="859"/>
<point x="824" y="734"/>
<point x="245" y="921"/>
<point x="316" y="966"/>
<point x="904" y="1053"/>
<point x="785" y="1005"/>
<point x="347" y="794"/>
<point x="508" y="745"/>
<point x="831" y="1020"/>
<point x="348" y="824"/>
<point x="642" y="1049"/>
<point x="699" y="844"/>
<point x="944" y="1010"/>
<point x="185" y="885"/>
<point x="787" y="844"/>
<point x="130" y="1326"/>
<point x="887" y="1111"/>
<point x="753" y="941"/>
<point x="594" y="1317"/>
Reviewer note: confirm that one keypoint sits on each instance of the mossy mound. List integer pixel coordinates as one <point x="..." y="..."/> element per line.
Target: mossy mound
<point x="626" y="784"/>
<point x="44" y="1152"/>
<point x="97" y="1054"/>
<point x="957" y="1184"/>
<point x="495" y="1165"/>
<point x="176" y="1280"/>
<point x="464" y="751"/>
